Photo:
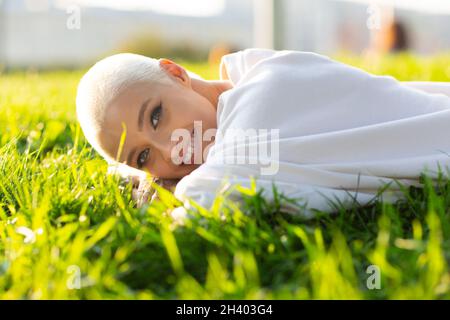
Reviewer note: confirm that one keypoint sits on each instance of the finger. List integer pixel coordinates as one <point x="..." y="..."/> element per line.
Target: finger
<point x="145" y="183"/>
<point x="154" y="197"/>
<point x="135" y="194"/>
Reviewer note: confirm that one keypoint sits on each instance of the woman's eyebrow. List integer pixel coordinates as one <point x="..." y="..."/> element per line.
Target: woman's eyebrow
<point x="141" y="114"/>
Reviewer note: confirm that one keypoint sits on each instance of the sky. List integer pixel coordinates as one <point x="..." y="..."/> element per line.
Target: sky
<point x="197" y="8"/>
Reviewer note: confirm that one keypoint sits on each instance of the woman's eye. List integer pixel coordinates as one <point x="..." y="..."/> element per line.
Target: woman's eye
<point x="155" y="116"/>
<point x="142" y="158"/>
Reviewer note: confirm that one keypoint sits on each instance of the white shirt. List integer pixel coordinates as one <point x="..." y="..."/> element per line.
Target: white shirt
<point x="336" y="123"/>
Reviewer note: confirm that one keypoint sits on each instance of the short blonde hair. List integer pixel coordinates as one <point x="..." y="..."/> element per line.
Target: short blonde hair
<point x="104" y="82"/>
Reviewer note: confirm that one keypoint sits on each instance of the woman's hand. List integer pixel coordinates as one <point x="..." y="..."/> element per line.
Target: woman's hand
<point x="144" y="192"/>
<point x="141" y="185"/>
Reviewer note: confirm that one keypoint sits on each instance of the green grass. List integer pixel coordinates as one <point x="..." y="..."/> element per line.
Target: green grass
<point x="61" y="216"/>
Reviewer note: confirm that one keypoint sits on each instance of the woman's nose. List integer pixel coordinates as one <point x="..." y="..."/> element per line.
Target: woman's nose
<point x="171" y="146"/>
<point x="167" y="148"/>
<point x="167" y="152"/>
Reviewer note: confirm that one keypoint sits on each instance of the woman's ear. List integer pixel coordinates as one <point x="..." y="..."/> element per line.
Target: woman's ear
<point x="175" y="70"/>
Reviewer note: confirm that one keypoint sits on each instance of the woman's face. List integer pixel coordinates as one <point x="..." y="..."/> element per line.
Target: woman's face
<point x="151" y="114"/>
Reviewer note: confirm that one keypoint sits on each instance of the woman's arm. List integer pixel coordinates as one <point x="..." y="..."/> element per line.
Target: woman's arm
<point x="430" y="87"/>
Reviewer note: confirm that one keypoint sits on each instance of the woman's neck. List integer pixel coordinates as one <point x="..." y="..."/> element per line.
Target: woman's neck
<point x="211" y="89"/>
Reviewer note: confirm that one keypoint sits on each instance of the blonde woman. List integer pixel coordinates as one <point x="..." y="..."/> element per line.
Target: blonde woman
<point x="318" y="129"/>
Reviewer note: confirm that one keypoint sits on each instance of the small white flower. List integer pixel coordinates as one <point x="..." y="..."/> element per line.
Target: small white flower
<point x="30" y="236"/>
<point x="179" y="216"/>
<point x="178" y="213"/>
<point x="12" y="221"/>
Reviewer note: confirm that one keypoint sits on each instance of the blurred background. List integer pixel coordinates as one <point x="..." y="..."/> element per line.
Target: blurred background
<point x="47" y="34"/>
<point x="59" y="210"/>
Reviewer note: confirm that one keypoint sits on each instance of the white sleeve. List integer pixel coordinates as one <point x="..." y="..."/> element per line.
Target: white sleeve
<point x="203" y="190"/>
<point x="201" y="185"/>
<point x="235" y="65"/>
<point x="429" y="86"/>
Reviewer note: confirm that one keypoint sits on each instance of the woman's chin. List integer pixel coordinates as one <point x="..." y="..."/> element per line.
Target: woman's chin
<point x="191" y="167"/>
<point x="183" y="170"/>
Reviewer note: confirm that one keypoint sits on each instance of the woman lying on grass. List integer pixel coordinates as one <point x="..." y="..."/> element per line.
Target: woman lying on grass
<point x="318" y="130"/>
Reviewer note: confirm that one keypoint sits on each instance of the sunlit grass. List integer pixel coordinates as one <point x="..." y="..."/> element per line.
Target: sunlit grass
<point x="69" y="231"/>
